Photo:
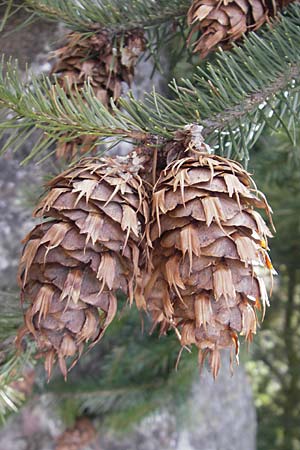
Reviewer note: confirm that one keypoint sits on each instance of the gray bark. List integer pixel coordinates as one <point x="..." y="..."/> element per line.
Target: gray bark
<point x="218" y="415"/>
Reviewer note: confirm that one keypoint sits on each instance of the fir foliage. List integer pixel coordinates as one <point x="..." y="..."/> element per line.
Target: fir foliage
<point x="12" y="362"/>
<point x="116" y="15"/>
<point x="12" y="368"/>
<point x="9" y="9"/>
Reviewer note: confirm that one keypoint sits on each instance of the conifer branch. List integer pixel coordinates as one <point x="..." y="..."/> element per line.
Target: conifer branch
<point x="7" y="12"/>
<point x="251" y="102"/>
<point x="13" y="362"/>
<point x="9" y="9"/>
<point x="12" y="366"/>
<point x="116" y="15"/>
<point x="224" y="97"/>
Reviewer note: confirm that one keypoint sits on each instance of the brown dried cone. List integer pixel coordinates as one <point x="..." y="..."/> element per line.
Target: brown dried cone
<point x="223" y="22"/>
<point x="69" y="150"/>
<point x="107" y="62"/>
<point x="73" y="264"/>
<point x="103" y="60"/>
<point x="208" y="244"/>
<point x="81" y="435"/>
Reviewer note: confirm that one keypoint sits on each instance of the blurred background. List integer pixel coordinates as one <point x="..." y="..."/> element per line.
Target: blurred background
<point x="125" y="394"/>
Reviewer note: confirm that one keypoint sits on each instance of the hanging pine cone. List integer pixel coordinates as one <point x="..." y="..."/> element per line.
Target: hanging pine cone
<point x="208" y="242"/>
<point x="73" y="264"/>
<point x="105" y="61"/>
<point x="69" y="150"/>
<point x="223" y="22"/>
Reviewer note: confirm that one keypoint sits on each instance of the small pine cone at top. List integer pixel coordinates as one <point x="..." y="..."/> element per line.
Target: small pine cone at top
<point x="209" y="247"/>
<point x="220" y="23"/>
<point x="107" y="62"/>
<point x="86" y="250"/>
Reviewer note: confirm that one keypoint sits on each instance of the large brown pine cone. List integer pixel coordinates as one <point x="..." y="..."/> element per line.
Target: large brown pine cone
<point x="223" y="22"/>
<point x="73" y="264"/>
<point x="107" y="62"/>
<point x="209" y="244"/>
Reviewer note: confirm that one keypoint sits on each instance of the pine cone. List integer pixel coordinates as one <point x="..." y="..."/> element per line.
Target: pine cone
<point x="208" y="242"/>
<point x="223" y="22"/>
<point x="69" y="150"/>
<point x="73" y="265"/>
<point x="106" y="62"/>
<point x="81" y="435"/>
<point x="101" y="59"/>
